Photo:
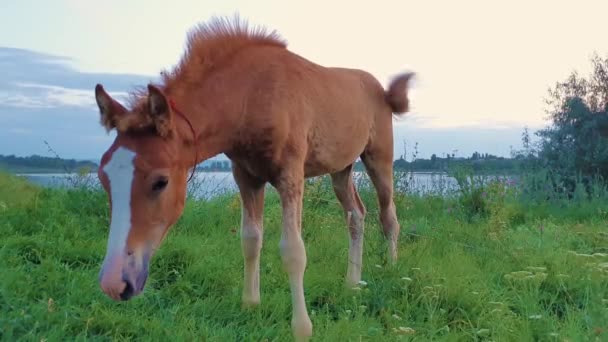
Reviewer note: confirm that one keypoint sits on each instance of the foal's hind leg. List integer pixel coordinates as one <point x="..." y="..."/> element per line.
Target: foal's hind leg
<point x="252" y="208"/>
<point x="355" y="214"/>
<point x="379" y="165"/>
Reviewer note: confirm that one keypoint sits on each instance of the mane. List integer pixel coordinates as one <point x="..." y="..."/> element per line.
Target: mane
<point x="207" y="45"/>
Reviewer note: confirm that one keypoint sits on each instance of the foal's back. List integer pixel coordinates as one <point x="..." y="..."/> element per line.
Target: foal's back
<point x="326" y="116"/>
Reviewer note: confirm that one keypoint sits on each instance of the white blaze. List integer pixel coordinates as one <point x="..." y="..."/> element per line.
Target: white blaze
<point x="120" y="171"/>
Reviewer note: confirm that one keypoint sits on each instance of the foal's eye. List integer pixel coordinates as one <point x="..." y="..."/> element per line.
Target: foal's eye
<point x="160" y="184"/>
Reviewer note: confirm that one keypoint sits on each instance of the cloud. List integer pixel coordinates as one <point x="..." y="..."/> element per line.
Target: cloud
<point x="20" y="131"/>
<point x="14" y="99"/>
<point x="51" y="96"/>
<point x="442" y="123"/>
<point x="19" y="66"/>
<point x="43" y="98"/>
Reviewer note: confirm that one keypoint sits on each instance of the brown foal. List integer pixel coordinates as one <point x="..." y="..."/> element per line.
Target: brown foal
<point x="279" y="118"/>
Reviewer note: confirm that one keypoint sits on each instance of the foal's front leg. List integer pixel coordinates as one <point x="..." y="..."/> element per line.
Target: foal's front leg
<point x="293" y="252"/>
<point x="252" y="209"/>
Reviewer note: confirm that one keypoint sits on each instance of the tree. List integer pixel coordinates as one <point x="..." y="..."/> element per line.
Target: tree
<point x="573" y="145"/>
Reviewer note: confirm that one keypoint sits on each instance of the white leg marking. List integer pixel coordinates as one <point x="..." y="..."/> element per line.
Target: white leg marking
<point x="251" y="244"/>
<point x="120" y="170"/>
<point x="294" y="258"/>
<point x="354" y="221"/>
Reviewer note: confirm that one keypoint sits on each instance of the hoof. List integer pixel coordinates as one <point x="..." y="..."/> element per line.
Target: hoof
<point x="250" y="302"/>
<point x="392" y="254"/>
<point x="351" y="282"/>
<point x="302" y="329"/>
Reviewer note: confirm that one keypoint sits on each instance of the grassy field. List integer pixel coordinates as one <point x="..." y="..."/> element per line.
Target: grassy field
<point x="492" y="265"/>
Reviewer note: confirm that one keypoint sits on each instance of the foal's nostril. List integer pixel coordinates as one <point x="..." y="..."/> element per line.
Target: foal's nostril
<point x="127" y="293"/>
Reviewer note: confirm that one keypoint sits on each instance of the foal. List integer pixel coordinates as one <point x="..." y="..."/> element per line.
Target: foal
<point x="280" y="119"/>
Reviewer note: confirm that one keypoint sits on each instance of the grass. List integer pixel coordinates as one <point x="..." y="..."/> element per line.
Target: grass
<point x="520" y="270"/>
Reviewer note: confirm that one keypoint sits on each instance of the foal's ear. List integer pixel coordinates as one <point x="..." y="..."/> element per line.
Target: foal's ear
<point x="160" y="111"/>
<point x="109" y="109"/>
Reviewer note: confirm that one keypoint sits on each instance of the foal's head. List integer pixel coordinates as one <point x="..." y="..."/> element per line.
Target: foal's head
<point x="144" y="173"/>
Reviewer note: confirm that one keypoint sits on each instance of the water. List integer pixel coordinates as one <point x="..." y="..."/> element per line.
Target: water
<point x="209" y="184"/>
<point x="202" y="185"/>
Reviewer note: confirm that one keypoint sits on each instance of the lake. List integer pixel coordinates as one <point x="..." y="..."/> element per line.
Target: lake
<point x="209" y="184"/>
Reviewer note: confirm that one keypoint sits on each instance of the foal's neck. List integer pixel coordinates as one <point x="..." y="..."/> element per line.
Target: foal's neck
<point x="214" y="120"/>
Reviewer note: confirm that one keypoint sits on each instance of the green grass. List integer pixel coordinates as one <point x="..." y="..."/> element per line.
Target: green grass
<point x="454" y="280"/>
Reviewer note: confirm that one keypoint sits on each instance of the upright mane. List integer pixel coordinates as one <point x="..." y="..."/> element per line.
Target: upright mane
<point x="207" y="45"/>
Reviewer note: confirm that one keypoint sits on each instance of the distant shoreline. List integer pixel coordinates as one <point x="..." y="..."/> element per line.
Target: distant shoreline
<point x="63" y="172"/>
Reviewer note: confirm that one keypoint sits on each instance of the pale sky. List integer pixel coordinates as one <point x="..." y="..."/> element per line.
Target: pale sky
<point x="480" y="64"/>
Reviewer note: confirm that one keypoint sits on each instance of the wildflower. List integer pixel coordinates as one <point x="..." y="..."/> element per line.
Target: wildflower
<point x="51" y="305"/>
<point x="404" y="330"/>
<point x="518" y="274"/>
<point x="536" y="268"/>
<point x="483" y="332"/>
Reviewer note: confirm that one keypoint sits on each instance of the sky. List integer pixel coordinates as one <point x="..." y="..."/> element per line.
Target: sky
<point x="483" y="67"/>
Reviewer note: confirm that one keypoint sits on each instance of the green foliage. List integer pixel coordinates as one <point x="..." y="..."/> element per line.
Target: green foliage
<point x="523" y="269"/>
<point x="16" y="192"/>
<point x="478" y="162"/>
<point x="37" y="163"/>
<point x="217" y="165"/>
<point x="573" y="146"/>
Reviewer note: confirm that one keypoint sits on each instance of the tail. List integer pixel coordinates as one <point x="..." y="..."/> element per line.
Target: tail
<point x="396" y="95"/>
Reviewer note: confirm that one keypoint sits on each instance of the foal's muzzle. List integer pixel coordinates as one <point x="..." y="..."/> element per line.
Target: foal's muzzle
<point x="124" y="276"/>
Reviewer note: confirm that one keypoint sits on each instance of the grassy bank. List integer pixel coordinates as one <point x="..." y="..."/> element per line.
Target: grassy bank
<point x="502" y="265"/>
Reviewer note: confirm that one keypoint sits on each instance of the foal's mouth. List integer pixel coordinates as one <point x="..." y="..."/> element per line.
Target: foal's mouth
<point x="133" y="289"/>
<point x="123" y="278"/>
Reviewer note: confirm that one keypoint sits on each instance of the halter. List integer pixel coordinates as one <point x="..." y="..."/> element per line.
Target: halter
<point x="178" y="112"/>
